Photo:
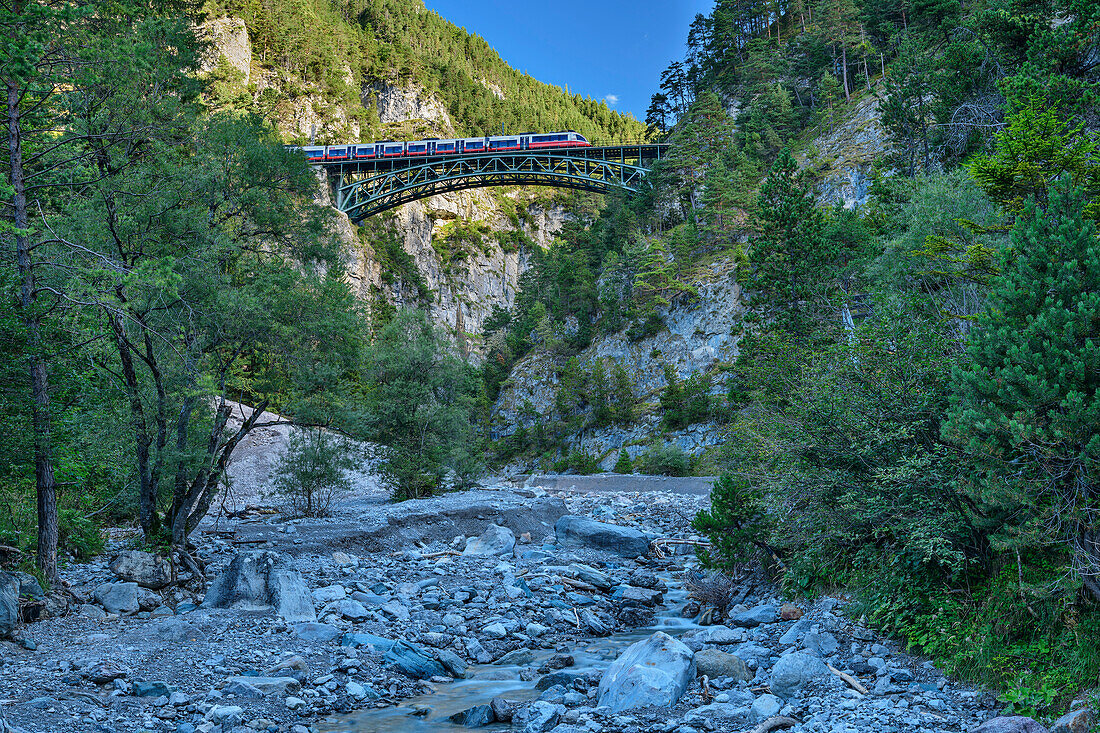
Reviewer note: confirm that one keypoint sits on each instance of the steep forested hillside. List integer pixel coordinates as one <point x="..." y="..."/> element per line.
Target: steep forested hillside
<point x="339" y="45"/>
<point x="904" y="399"/>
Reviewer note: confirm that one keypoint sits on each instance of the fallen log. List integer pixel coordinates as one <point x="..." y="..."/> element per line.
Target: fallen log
<point x="777" y="722"/>
<point x="852" y="681"/>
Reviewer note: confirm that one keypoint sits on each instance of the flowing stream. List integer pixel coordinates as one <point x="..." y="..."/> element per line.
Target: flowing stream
<point x="486" y="681"/>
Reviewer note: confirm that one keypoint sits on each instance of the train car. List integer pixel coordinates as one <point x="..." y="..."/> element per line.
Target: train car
<point x="436" y="146"/>
<point x="474" y="144"/>
<point x="556" y="140"/>
<point x="339" y="152"/>
<point x="392" y="149"/>
<point x="504" y="143"/>
<point x="446" y="147"/>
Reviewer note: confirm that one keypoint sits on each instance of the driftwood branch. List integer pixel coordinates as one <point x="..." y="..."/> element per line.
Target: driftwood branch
<point x="664" y="542"/>
<point x="852" y="681"/>
<point x="777" y="722"/>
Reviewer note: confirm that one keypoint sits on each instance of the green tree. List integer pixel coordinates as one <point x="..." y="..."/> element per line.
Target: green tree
<point x="311" y="475"/>
<point x="420" y="403"/>
<point x="1037" y="147"/>
<point x="1027" y="402"/>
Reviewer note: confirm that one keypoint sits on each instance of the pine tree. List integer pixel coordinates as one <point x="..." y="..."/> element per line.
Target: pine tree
<point x="1028" y="402"/>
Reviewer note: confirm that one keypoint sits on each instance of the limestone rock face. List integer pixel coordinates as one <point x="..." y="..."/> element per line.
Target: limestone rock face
<point x="653" y="671"/>
<point x="262" y="580"/>
<point x="228" y="37"/>
<point x="400" y="104"/>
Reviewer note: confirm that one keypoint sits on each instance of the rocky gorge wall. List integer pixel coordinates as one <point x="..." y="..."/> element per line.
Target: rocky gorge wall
<point x="700" y="335"/>
<point x="462" y="292"/>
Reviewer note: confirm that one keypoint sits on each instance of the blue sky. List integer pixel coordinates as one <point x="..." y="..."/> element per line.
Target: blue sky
<point x="605" y="49"/>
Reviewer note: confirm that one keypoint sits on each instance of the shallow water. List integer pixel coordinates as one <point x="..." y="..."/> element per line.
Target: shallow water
<point x="454" y="697"/>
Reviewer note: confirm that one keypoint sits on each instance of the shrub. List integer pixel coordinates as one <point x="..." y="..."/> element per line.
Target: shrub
<point x="311" y="474"/>
<point x="666" y="459"/>
<point x="623" y="464"/>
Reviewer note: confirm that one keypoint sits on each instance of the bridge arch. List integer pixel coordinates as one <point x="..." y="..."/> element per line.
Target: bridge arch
<point x="365" y="188"/>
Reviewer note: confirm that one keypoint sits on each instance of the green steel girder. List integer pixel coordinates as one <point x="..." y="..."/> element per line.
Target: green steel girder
<point x="366" y="188"/>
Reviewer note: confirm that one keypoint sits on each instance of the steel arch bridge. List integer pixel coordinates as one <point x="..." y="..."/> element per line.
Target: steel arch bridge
<point x="367" y="187"/>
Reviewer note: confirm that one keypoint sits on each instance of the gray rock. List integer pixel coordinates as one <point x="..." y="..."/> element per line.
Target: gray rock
<point x="261" y="580"/>
<point x="154" y="688"/>
<point x="412" y="661"/>
<point x="1078" y="721"/>
<point x="1011" y="724"/>
<point x="764" y="614"/>
<point x="88" y="610"/>
<point x="9" y="604"/>
<point x="29" y="586"/>
<point x="631" y="596"/>
<point x="269" y="685"/>
<point x="653" y="671"/>
<point x="351" y="610"/>
<point x="495" y="540"/>
<point x="821" y="643"/>
<point x="573" y="531"/>
<point x="794" y="670"/>
<point x="329" y="593"/>
<point x="718" y="711"/>
<point x="478" y="716"/>
<point x="118" y="597"/>
<point x="313" y="631"/>
<point x="517" y="657"/>
<point x="590" y="575"/>
<point x="797" y="631"/>
<point x="238" y="687"/>
<point x="175" y="628"/>
<point x="715" y="664"/>
<point x="503" y="710"/>
<point x="538" y="717"/>
<point x="378" y="643"/>
<point x="144" y="568"/>
<point x="453" y="663"/>
<point x="764" y="707"/>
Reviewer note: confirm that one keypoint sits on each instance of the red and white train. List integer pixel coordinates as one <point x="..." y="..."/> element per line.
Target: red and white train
<point x="435" y="146"/>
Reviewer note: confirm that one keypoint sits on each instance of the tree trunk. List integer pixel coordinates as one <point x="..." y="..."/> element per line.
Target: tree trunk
<point x="45" y="484"/>
<point x="844" y="65"/>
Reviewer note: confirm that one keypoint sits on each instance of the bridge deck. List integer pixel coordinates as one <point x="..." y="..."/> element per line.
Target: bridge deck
<point x="366" y="187"/>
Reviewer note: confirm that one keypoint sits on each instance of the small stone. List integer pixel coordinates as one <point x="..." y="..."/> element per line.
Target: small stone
<point x="295" y="703"/>
<point x="764" y="707"/>
<point x="789" y="612"/>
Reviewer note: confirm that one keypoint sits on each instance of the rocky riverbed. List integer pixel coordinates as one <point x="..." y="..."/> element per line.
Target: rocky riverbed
<point x="511" y="607"/>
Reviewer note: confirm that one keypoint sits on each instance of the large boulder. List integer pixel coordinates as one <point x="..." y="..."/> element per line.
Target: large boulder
<point x="1011" y="724"/>
<point x="9" y="604"/>
<point x="118" y="597"/>
<point x="794" y="670"/>
<point x="144" y="568"/>
<point x="750" y="619"/>
<point x="575" y="531"/>
<point x="1078" y="721"/>
<point x="496" y="540"/>
<point x="261" y="580"/>
<point x="653" y="671"/>
<point x="714" y="664"/>
<point x="412" y="661"/>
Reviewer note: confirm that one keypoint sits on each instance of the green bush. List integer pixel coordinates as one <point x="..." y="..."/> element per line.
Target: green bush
<point x="311" y="475"/>
<point x="623" y="464"/>
<point x="666" y="459"/>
